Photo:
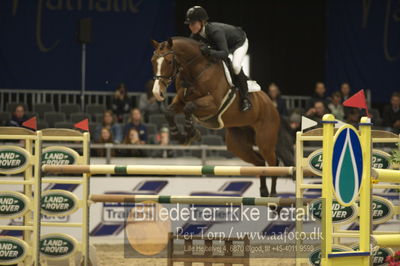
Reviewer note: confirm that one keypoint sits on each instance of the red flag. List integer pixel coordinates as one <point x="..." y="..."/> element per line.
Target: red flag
<point x="84" y="124"/>
<point x="357" y="100"/>
<point x="31" y="123"/>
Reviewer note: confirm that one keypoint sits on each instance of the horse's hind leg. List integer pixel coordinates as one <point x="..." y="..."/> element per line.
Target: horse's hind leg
<point x="266" y="142"/>
<point x="240" y="142"/>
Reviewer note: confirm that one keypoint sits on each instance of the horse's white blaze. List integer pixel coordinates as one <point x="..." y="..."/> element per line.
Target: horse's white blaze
<point x="156" y="86"/>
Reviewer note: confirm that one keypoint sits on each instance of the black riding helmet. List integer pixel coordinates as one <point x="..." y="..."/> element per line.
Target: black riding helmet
<point x="196" y="13"/>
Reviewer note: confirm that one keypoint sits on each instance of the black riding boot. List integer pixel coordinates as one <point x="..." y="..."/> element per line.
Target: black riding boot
<point x="245" y="103"/>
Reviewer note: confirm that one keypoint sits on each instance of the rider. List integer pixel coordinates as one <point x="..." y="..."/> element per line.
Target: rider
<point x="221" y="39"/>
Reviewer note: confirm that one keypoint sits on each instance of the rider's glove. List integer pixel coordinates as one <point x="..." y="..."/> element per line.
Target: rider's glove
<point x="205" y="50"/>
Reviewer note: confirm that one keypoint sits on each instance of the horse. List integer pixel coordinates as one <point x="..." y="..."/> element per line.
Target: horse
<point x="201" y="86"/>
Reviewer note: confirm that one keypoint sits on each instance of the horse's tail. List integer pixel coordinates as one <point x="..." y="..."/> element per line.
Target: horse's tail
<point x="284" y="147"/>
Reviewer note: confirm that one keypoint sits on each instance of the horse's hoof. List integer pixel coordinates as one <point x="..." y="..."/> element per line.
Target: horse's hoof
<point x="273" y="194"/>
<point x="264" y="192"/>
<point x="194" y="137"/>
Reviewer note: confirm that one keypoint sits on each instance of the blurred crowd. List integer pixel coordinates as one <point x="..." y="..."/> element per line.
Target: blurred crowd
<point x="321" y="103"/>
<point x="123" y="122"/>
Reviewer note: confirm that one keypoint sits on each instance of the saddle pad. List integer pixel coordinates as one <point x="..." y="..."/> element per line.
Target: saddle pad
<point x="251" y="84"/>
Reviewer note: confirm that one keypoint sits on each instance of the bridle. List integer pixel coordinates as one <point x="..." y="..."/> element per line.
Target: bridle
<point x="176" y="67"/>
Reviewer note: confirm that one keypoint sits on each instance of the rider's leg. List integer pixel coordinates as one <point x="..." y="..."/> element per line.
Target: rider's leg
<point x="243" y="91"/>
<point x="237" y="60"/>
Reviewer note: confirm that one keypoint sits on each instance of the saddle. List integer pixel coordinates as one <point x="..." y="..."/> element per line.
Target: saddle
<point x="215" y="121"/>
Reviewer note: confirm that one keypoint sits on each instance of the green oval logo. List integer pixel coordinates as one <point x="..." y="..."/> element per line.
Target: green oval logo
<point x="382" y="210"/>
<point x="57" y="155"/>
<point x="13" y="159"/>
<point x="315" y="256"/>
<point x="340" y="214"/>
<point x="380" y="159"/>
<point x="58" y="202"/>
<point x="315" y="162"/>
<point x="57" y="246"/>
<point x="13" y="204"/>
<point x="378" y="255"/>
<point x="12" y="250"/>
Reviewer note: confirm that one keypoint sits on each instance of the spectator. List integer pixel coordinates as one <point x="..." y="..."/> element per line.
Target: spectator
<point x="345" y="91"/>
<point x="18" y="116"/>
<point x="335" y="106"/>
<point x="317" y="111"/>
<point x="120" y="104"/>
<point x="163" y="139"/>
<point x="318" y="95"/>
<point x="391" y="114"/>
<point x="136" y="123"/>
<point x="109" y="122"/>
<point x="353" y="117"/>
<point x="294" y="123"/>
<point x="132" y="138"/>
<point x="148" y="104"/>
<point x="106" y="136"/>
<point x="275" y="95"/>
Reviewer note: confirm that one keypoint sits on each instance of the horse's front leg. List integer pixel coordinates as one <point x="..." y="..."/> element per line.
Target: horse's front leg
<point x="200" y="107"/>
<point x="174" y="108"/>
<point x="191" y="133"/>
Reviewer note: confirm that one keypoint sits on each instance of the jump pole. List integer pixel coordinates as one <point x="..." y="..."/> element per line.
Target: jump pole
<point x="169" y="170"/>
<point x="207" y="200"/>
<point x="385" y="175"/>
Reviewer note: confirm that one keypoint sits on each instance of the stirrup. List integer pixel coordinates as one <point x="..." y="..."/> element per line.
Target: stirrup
<point x="245" y="105"/>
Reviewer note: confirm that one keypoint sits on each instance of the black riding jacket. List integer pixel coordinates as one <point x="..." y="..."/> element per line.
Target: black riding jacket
<point x="222" y="38"/>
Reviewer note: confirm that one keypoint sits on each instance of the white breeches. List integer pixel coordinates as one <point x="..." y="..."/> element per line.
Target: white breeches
<point x="238" y="56"/>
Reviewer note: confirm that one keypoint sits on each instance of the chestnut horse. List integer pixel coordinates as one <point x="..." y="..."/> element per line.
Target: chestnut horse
<point x="201" y="86"/>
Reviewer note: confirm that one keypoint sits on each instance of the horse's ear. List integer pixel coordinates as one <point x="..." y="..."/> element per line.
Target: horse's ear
<point x="170" y="43"/>
<point x="154" y="43"/>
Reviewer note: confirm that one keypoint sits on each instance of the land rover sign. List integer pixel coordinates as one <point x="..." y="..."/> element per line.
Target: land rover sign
<point x="315" y="162"/>
<point x="13" y="204"/>
<point x="382" y="210"/>
<point x="58" y="202"/>
<point x="340" y="214"/>
<point x="315" y="257"/>
<point x="57" y="246"/>
<point x="58" y="155"/>
<point x="380" y="160"/>
<point x="378" y="255"/>
<point x="13" y="159"/>
<point x="12" y="250"/>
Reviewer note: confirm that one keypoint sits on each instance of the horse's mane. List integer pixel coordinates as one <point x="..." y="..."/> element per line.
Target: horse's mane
<point x="187" y="46"/>
<point x="187" y="40"/>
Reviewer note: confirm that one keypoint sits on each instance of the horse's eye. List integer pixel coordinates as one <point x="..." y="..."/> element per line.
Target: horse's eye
<point x="169" y="62"/>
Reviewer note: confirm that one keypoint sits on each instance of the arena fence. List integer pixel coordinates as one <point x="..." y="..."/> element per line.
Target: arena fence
<point x="58" y="97"/>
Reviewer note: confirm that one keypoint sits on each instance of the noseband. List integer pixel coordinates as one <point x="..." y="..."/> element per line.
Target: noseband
<point x="174" y="65"/>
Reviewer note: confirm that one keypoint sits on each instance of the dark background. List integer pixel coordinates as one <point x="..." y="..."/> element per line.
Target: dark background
<point x="292" y="43"/>
<point x="286" y="38"/>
